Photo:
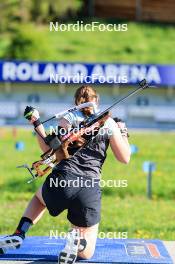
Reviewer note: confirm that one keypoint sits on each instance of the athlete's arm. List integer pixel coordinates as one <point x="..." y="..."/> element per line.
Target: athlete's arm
<point x="118" y="143"/>
<point x="33" y="116"/>
<point x="43" y="146"/>
<point x="41" y="133"/>
<point x="40" y="129"/>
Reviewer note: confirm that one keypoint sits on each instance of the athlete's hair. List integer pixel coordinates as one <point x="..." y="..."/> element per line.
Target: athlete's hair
<point x="84" y="94"/>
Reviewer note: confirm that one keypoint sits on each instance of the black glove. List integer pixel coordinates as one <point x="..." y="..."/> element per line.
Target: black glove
<point x="28" y="112"/>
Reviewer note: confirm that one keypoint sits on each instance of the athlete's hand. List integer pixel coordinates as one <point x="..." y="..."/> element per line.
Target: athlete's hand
<point x="31" y="114"/>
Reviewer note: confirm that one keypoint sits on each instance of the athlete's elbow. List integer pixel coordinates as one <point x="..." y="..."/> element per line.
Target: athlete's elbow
<point x="126" y="158"/>
<point x="122" y="155"/>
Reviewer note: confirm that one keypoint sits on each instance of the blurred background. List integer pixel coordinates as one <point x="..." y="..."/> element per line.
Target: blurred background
<point x="146" y="50"/>
<point x="150" y="38"/>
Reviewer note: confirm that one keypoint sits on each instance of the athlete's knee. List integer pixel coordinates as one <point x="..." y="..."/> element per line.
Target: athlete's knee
<point x="86" y="254"/>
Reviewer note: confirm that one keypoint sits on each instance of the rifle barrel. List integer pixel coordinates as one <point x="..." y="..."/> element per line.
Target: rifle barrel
<point x="142" y="85"/>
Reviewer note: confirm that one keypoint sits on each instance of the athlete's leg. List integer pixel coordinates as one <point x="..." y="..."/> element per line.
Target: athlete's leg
<point x="81" y="242"/>
<point x="84" y="214"/>
<point x="32" y="214"/>
<point x="89" y="235"/>
<point x="36" y="207"/>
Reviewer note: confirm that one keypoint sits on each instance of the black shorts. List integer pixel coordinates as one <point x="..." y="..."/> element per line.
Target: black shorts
<point x="83" y="203"/>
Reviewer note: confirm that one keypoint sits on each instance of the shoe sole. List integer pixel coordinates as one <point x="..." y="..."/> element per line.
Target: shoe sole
<point x="9" y="243"/>
<point x="67" y="257"/>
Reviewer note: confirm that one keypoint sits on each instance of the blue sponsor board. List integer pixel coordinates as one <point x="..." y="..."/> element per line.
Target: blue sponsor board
<point x="52" y="72"/>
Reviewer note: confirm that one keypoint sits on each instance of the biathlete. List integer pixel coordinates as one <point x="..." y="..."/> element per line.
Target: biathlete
<point x="83" y="203"/>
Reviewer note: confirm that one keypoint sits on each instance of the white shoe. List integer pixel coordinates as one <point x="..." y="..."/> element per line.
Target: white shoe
<point x="10" y="242"/>
<point x="69" y="254"/>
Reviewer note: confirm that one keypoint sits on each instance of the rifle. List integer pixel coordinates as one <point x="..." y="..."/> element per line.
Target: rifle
<point x="60" y="148"/>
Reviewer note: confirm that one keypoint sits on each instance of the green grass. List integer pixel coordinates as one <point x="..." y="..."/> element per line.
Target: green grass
<point x="142" y="43"/>
<point x="123" y="209"/>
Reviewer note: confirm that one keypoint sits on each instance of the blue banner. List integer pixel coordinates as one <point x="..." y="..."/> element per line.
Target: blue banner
<point x="52" y="72"/>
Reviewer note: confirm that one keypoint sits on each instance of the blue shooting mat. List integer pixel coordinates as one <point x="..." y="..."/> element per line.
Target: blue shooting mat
<point x="107" y="251"/>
